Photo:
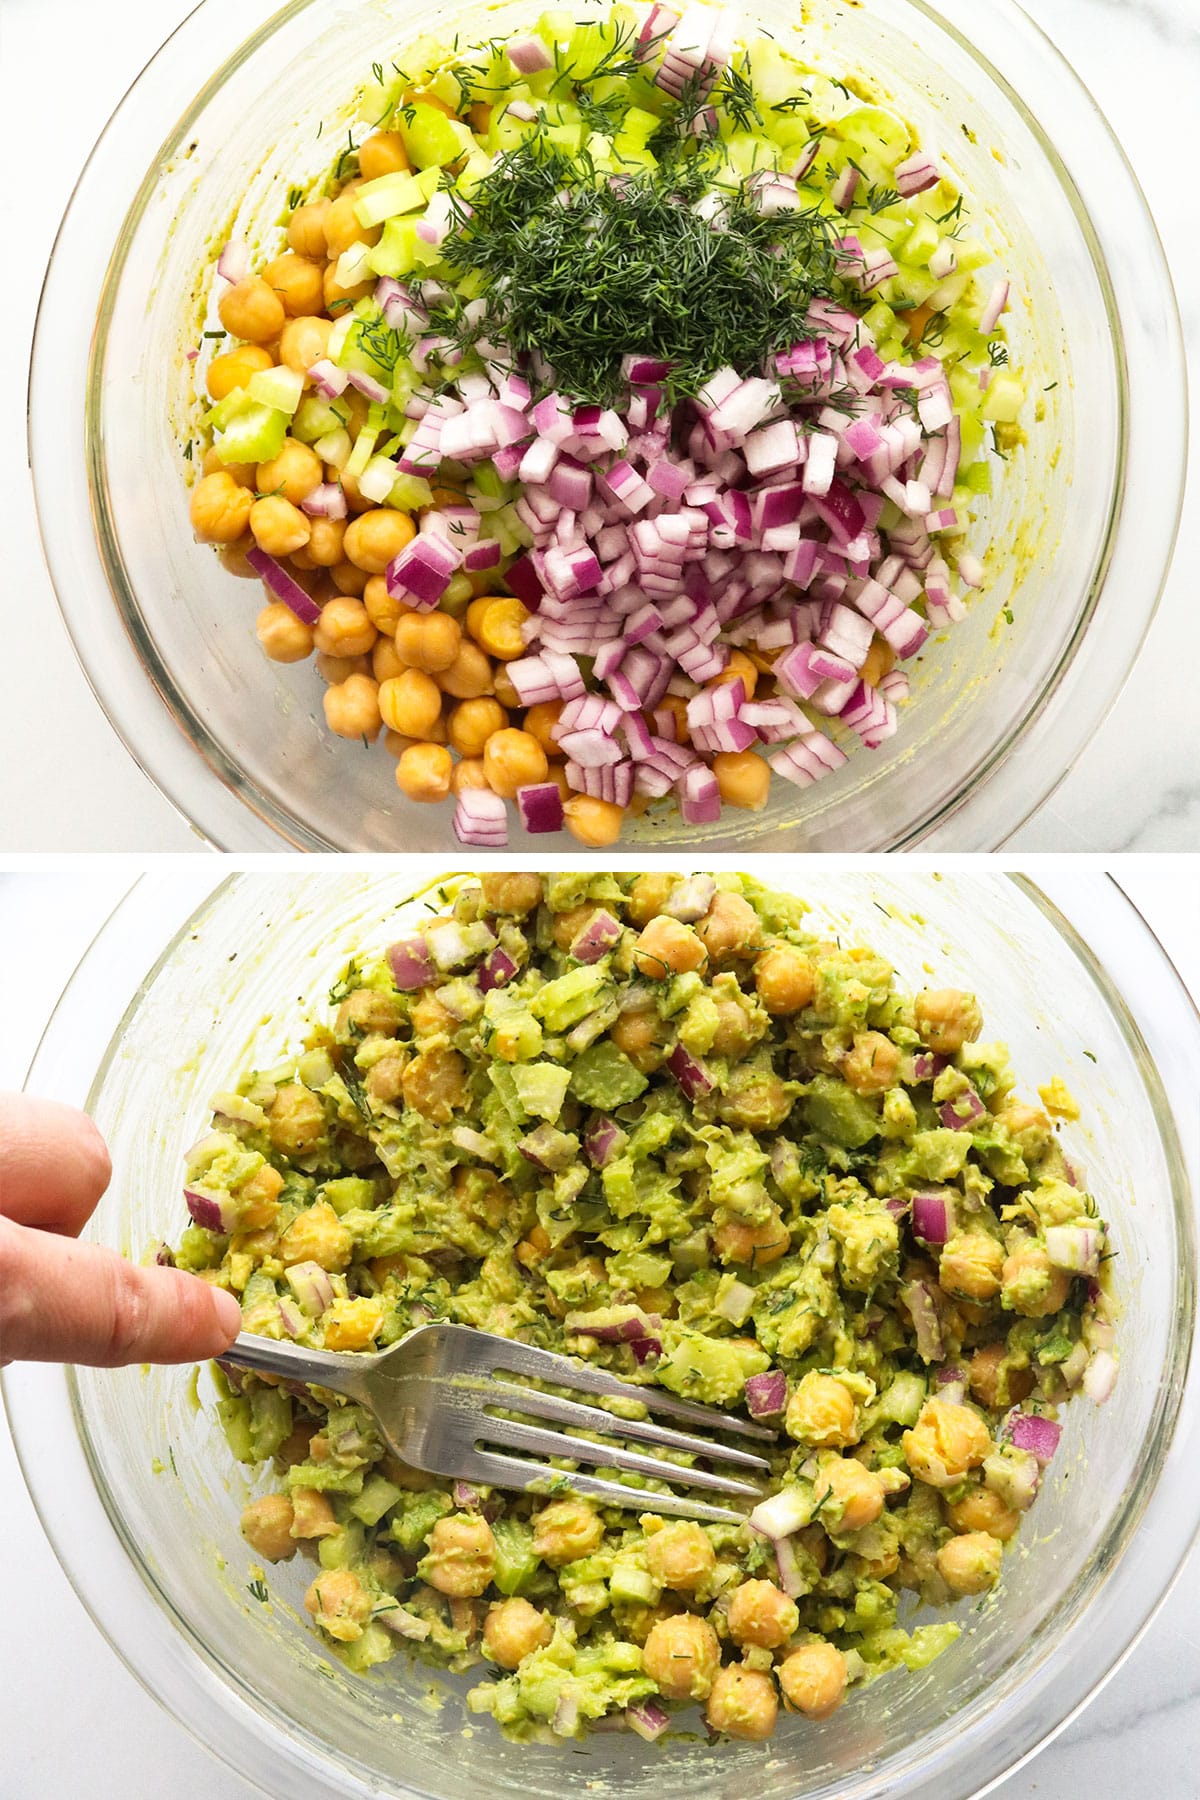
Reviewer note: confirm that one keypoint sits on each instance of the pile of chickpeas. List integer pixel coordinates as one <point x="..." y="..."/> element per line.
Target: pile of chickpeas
<point x="432" y="683"/>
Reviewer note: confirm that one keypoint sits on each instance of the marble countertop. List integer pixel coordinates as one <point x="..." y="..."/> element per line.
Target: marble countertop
<point x="1141" y="1734"/>
<point x="1136" y="787"/>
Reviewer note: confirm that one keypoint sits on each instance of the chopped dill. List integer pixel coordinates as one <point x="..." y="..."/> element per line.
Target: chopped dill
<point x="295" y="195"/>
<point x="997" y="354"/>
<point x="630" y="264"/>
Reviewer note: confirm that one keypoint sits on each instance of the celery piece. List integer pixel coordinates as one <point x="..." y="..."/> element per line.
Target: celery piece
<point x="280" y="387"/>
<point x="563" y="1002"/>
<point x="255" y="436"/>
<point x="430" y="138"/>
<point x="389" y="195"/>
<point x="379" y="1495"/>
<point x="541" y="1088"/>
<point x="604" y="1076"/>
<point x="516" y="1559"/>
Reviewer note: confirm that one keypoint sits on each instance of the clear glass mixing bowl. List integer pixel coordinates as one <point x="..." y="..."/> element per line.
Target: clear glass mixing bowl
<point x="134" y="1483"/>
<point x="224" y="121"/>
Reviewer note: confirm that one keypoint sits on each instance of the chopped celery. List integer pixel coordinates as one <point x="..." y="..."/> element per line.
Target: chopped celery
<point x="400" y="192"/>
<point x="279" y="387"/>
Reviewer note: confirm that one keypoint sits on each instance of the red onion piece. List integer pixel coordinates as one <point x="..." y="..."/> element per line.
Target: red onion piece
<point x="496" y="970"/>
<point x="1038" y="1436"/>
<point x="600" y="935"/>
<point x="412" y="963"/>
<point x="691" y="1074"/>
<point x="284" y="587"/>
<point x="926" y="1324"/>
<point x="933" y="1216"/>
<point x="216" y="1212"/>
<point x="602" y="1140"/>
<point x="540" y="805"/>
<point x="766" y="1394"/>
<point x="963" y="1112"/>
<point x="312" y="1288"/>
<point x="785" y="1512"/>
<point x="648" y="1719"/>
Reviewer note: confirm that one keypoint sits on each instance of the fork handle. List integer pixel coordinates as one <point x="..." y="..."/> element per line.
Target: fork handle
<point x="327" y="1368"/>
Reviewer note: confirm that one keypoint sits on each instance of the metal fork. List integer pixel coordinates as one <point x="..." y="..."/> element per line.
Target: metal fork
<point x="439" y="1393"/>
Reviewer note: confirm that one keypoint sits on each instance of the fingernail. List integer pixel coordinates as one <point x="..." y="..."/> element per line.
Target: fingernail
<point x="229" y="1313"/>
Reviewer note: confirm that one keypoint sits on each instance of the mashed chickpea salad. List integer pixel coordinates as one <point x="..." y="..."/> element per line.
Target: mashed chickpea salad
<point x="612" y="423"/>
<point x="658" y="1123"/>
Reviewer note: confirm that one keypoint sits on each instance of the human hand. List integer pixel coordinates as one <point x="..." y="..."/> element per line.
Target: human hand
<point x="62" y="1301"/>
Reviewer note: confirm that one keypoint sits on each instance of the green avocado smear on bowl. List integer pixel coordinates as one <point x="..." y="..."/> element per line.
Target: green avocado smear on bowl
<point x="656" y="1122"/>
<point x="685" y="355"/>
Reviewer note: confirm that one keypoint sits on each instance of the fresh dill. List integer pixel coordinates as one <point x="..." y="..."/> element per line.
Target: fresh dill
<point x="997" y="354"/>
<point x="631" y="263"/>
<point x="295" y="196"/>
<point x="259" y="1589"/>
<point x="879" y="199"/>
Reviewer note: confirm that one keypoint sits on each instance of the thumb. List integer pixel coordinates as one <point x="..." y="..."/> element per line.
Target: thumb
<point x="63" y="1301"/>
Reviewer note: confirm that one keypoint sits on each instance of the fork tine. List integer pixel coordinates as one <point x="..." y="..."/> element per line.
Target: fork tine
<point x="594" y="1418"/>
<point x="487" y="1353"/>
<point x="511" y="1472"/>
<point x="565" y="1443"/>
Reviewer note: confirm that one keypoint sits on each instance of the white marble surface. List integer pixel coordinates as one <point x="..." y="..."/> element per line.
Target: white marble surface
<point x="1137" y="786"/>
<point x="1141" y="1735"/>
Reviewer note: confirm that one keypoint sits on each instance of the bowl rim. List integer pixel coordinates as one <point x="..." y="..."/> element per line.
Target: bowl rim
<point x="163" y="1653"/>
<point x="1035" y="751"/>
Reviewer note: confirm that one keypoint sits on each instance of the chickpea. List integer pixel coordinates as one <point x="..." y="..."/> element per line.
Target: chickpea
<point x="743" y="778"/>
<point x="596" y="823"/>
<point x="980" y="1510"/>
<point x="424" y="772"/>
<point x="667" y="947"/>
<point x="472" y="723"/>
<point x="435" y="1083"/>
<point x="234" y="369"/>
<point x="252" y="310"/>
<point x="352" y="1324"/>
<point x="383" y="153"/>
<point x="317" y="1235"/>
<point x="314" y="1514"/>
<point x="339" y="1603"/>
<point x="566" y="1530"/>
<point x="681" y="1655"/>
<point x="469" y="772"/>
<point x="784" y="979"/>
<point x="737" y="1027"/>
<point x="411" y="703"/>
<point x="220" y="508"/>
<point x="297" y="1120"/>
<point x="243" y="473"/>
<point x="462" y="1555"/>
<point x="743" y="1703"/>
<point x="760" y="1243"/>
<point x="375" y="537"/>
<point x="303" y="342"/>
<point x="970" y="1266"/>
<point x="258" y="1198"/>
<point x="648" y="895"/>
<point x="386" y="665"/>
<point x="680" y="1556"/>
<point x="947" y="1018"/>
<point x="428" y="641"/>
<point x="880" y="659"/>
<point x="992" y="1384"/>
<point x="873" y="1063"/>
<point x="348" y="579"/>
<point x="344" y="628"/>
<point x="513" y="759"/>
<point x="738" y="668"/>
<point x="370" y="1012"/>
<point x="504" y="690"/>
<point x="970" y="1564"/>
<point x="729" y="929"/>
<point x="297" y="281"/>
<point x="294" y="473"/>
<point x="430" y="1018"/>
<point x="946" y="1442"/>
<point x="760" y="1613"/>
<point x="335" y="669"/>
<point x="498" y="629"/>
<point x="306" y="229"/>
<point x="278" y="526"/>
<point x="539" y="722"/>
<point x="856" y="1493"/>
<point x="267" y="1527"/>
<point x="1032" y="1286"/>
<point x="325" y="541"/>
<point x="342" y="228"/>
<point x="515" y="894"/>
<point x="469" y="676"/>
<point x="813" y="1679"/>
<point x="513" y="1630"/>
<point x="821" y="1412"/>
<point x="385" y="611"/>
<point x="352" y="708"/>
<point x="638" y="1036"/>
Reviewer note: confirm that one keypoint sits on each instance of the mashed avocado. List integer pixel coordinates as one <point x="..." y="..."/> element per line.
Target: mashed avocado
<point x="730" y="1158"/>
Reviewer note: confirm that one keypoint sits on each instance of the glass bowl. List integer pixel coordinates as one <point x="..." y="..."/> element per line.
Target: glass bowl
<point x="224" y="121"/>
<point x="135" y="1486"/>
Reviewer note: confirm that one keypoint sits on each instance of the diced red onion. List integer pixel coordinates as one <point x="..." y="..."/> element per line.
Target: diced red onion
<point x="496" y="970"/>
<point x="412" y="964"/>
<point x="785" y="1512"/>
<point x="284" y="586"/>
<point x="648" y="1719"/>
<point x="691" y="1074"/>
<point x="963" y="1112"/>
<point x="933" y="1215"/>
<point x="1028" y="1431"/>
<point x="1100" y="1377"/>
<point x="602" y="1140"/>
<point x="766" y="1394"/>
<point x="215" y="1212"/>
